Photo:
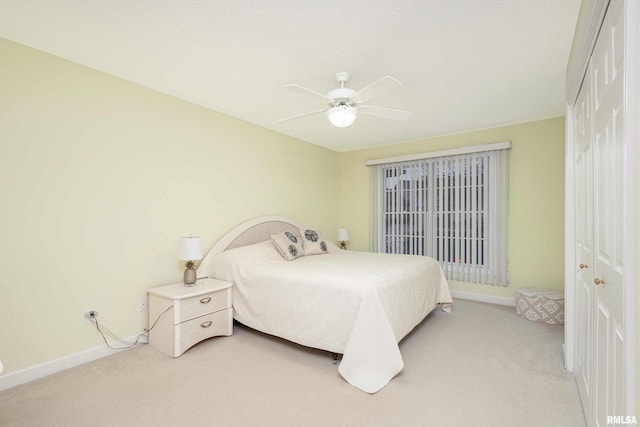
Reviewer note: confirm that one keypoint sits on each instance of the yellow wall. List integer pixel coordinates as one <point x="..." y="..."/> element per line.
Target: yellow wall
<point x="99" y="178"/>
<point x="536" y="199"/>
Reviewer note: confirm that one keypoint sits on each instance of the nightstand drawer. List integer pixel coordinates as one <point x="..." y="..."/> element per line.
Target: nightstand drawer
<point x="193" y="331"/>
<point x="190" y="308"/>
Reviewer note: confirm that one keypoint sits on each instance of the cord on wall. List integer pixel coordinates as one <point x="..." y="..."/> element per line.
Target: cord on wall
<point x="92" y="316"/>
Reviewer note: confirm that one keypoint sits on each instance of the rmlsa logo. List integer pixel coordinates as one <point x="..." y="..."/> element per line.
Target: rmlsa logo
<point x="621" y="419"/>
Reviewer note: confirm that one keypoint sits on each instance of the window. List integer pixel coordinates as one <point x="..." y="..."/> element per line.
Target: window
<point x="451" y="207"/>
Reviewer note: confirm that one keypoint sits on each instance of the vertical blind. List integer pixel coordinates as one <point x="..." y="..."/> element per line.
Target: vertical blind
<point x="452" y="208"/>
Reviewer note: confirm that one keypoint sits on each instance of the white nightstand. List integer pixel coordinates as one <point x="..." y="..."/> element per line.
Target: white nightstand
<point x="192" y="314"/>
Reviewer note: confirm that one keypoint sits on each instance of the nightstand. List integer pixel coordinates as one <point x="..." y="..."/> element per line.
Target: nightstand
<point x="187" y="315"/>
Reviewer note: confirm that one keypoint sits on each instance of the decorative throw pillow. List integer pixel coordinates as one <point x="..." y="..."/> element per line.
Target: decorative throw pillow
<point x="313" y="242"/>
<point x="289" y="245"/>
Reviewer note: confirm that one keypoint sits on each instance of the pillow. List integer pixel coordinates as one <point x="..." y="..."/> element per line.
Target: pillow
<point x="288" y="244"/>
<point x="313" y="242"/>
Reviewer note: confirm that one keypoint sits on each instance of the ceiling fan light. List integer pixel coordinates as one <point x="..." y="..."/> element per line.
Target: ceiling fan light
<point x="342" y="115"/>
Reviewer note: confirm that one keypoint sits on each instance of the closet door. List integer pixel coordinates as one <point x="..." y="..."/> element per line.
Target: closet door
<point x="607" y="63"/>
<point x="584" y="242"/>
<point x="599" y="144"/>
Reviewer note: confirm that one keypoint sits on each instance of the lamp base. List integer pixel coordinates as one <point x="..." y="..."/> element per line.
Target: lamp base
<point x="190" y="276"/>
<point x="343" y="245"/>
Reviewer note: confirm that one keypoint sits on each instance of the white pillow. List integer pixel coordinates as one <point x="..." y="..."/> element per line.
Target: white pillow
<point x="313" y="242"/>
<point x="288" y="244"/>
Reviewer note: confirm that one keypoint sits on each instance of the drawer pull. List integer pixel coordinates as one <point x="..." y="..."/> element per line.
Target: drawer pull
<point x="206" y="324"/>
<point x="205" y="300"/>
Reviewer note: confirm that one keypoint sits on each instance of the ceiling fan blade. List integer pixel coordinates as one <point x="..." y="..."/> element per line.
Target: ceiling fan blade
<point x="308" y="91"/>
<point x="297" y="116"/>
<point x="385" y="113"/>
<point x="377" y="88"/>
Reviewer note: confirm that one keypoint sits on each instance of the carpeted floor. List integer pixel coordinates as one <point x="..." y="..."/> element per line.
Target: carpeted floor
<point x="479" y="365"/>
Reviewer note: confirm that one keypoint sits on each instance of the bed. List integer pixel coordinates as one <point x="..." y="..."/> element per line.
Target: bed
<point x="357" y="304"/>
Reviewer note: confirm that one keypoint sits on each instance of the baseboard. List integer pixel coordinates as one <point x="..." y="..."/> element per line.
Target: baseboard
<point x="484" y="298"/>
<point x="57" y="365"/>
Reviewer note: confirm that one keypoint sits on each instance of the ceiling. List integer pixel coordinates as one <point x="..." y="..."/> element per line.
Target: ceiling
<point x="464" y="64"/>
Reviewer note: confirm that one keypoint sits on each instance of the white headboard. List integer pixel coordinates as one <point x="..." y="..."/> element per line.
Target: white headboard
<point x="253" y="231"/>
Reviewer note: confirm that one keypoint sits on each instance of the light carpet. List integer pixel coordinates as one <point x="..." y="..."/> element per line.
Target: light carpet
<point x="480" y="365"/>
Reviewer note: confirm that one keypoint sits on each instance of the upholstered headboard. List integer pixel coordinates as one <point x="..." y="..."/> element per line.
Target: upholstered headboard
<point x="253" y="231"/>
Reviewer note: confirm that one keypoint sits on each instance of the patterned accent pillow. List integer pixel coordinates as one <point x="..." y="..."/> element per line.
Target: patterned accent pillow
<point x="288" y="244"/>
<point x="313" y="242"/>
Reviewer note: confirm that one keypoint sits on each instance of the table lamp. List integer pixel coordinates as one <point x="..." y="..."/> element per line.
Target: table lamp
<point x="343" y="237"/>
<point x="190" y="250"/>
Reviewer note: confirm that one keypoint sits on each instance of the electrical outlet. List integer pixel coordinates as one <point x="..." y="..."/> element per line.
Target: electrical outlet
<point x="90" y="315"/>
<point x="143" y="304"/>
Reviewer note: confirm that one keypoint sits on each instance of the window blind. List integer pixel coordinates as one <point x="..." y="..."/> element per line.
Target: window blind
<point x="452" y="208"/>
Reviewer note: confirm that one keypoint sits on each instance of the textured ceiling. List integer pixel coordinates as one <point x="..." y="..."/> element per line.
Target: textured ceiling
<point x="464" y="64"/>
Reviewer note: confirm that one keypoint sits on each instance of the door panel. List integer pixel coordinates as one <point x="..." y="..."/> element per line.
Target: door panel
<point x="608" y="215"/>
<point x="584" y="241"/>
<point x="601" y="377"/>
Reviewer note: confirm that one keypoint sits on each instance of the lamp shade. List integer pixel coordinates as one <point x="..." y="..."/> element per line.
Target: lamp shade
<point x="190" y="248"/>
<point x="342" y="115"/>
<point x="343" y="235"/>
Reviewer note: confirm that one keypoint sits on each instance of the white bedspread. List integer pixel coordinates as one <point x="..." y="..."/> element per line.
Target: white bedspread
<point x="359" y="304"/>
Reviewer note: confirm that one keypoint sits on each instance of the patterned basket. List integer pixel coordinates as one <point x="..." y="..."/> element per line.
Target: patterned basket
<point x="540" y="305"/>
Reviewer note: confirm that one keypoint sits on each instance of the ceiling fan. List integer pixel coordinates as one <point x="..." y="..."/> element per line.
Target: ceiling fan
<point x="345" y="104"/>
